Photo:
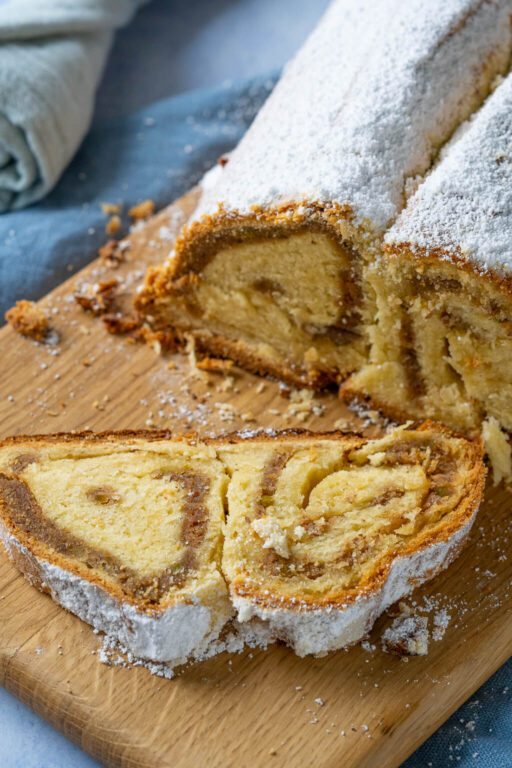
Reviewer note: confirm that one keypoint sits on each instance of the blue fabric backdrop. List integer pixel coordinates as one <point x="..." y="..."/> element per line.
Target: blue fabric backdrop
<point x="159" y="153"/>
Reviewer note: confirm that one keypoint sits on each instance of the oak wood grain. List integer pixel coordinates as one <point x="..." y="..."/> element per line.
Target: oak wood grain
<point x="256" y="708"/>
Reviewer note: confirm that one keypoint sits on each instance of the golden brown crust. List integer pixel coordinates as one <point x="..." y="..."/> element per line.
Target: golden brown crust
<point x="244" y="356"/>
<point x="190" y="437"/>
<point x="256" y="435"/>
<point x="421" y="256"/>
<point x="199" y="240"/>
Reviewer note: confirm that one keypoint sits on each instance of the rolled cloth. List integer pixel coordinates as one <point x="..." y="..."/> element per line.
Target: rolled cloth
<point x="51" y="59"/>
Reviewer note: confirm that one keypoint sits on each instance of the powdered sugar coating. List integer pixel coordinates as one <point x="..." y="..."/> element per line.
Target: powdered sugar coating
<point x="320" y="631"/>
<point x="181" y="632"/>
<point x="465" y="205"/>
<point x="365" y="105"/>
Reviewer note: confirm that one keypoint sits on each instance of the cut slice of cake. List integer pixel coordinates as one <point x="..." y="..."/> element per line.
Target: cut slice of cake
<point x="125" y="531"/>
<point x="442" y="342"/>
<point x="270" y="271"/>
<point x="325" y="533"/>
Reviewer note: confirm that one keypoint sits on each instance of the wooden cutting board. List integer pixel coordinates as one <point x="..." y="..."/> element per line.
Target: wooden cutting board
<point x="360" y="707"/>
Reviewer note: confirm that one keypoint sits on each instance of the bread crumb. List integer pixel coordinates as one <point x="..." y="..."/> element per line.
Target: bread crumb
<point x="110" y="209"/>
<point x="311" y="355"/>
<point x="303" y="404"/>
<point x="273" y="535"/>
<point x="29" y="320"/>
<point x="113" y="225"/>
<point x="227" y="384"/>
<point x="190" y="349"/>
<point x="407" y="636"/>
<point x="441" y="621"/>
<point x="98" y="298"/>
<point x="142" y="210"/>
<point x="227" y="412"/>
<point x="111" y="253"/>
<point x="299" y="532"/>
<point x="214" y="364"/>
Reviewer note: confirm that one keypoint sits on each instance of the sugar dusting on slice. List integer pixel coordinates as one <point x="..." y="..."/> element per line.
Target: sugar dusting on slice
<point x="358" y="113"/>
<point x="465" y="205"/>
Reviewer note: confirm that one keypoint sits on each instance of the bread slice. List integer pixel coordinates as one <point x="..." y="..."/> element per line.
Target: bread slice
<point x="325" y="530"/>
<point x="442" y="343"/>
<point x="125" y="531"/>
<point x="324" y="534"/>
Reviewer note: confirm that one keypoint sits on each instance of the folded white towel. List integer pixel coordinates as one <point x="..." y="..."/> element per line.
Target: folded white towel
<point x="52" y="54"/>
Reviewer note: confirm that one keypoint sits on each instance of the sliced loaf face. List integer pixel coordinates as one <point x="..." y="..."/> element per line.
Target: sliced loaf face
<point x="125" y="531"/>
<point x="442" y="340"/>
<point x="324" y="530"/>
<point x="271" y="269"/>
<point x="322" y="537"/>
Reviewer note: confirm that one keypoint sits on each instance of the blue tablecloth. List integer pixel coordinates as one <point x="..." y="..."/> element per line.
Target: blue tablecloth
<point x="159" y="153"/>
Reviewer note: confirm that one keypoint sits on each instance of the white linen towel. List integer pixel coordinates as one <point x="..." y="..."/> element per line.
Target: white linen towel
<point x="52" y="54"/>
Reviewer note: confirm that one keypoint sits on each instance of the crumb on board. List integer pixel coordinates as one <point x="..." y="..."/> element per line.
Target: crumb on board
<point x="227" y="384"/>
<point x="118" y="324"/>
<point x="214" y="364"/>
<point x="110" y="209"/>
<point x="113" y="225"/>
<point x="29" y="320"/>
<point x="190" y="349"/>
<point x="303" y="404"/>
<point x="97" y="298"/>
<point x="142" y="210"/>
<point x="407" y="636"/>
<point x="111" y="253"/>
